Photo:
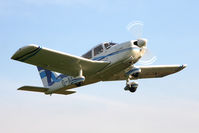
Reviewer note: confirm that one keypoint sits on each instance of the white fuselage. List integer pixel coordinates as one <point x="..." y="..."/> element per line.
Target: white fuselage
<point x="120" y="56"/>
<point x="120" y="52"/>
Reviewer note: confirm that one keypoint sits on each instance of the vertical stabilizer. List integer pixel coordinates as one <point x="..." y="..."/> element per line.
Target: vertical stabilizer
<point x="48" y="77"/>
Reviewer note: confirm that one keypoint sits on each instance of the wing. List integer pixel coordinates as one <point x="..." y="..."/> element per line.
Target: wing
<point x="58" y="61"/>
<point x="151" y="72"/>
<point x="159" y="71"/>
<point x="42" y="89"/>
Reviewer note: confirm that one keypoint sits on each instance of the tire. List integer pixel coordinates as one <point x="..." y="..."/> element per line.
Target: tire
<point x="132" y="89"/>
<point x="79" y="84"/>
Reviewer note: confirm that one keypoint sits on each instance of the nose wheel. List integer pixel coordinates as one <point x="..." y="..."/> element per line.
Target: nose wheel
<point x="131" y="86"/>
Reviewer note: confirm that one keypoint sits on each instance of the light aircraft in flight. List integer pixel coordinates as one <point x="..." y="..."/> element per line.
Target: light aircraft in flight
<point x="107" y="61"/>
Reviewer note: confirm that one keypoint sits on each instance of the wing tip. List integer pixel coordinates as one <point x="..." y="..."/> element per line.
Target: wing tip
<point x="22" y="87"/>
<point x="24" y="50"/>
<point x="183" y="66"/>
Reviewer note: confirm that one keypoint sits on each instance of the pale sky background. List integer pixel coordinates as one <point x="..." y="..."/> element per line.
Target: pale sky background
<point x="167" y="105"/>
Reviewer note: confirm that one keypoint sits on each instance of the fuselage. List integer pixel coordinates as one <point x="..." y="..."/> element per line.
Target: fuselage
<point x="120" y="57"/>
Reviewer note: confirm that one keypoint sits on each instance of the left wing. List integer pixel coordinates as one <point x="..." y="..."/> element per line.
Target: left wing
<point x="58" y="61"/>
<point x="151" y="72"/>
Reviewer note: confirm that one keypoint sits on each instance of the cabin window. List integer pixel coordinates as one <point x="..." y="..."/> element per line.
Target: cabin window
<point x="98" y="50"/>
<point x="109" y="45"/>
<point x="88" y="55"/>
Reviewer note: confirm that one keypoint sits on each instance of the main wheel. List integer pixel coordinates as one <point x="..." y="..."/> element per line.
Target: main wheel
<point x="79" y="84"/>
<point x="132" y="89"/>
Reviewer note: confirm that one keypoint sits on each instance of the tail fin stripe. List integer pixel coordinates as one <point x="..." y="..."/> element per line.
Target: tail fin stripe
<point x="54" y="78"/>
<point x="43" y="74"/>
<point x="39" y="68"/>
<point x="48" y="77"/>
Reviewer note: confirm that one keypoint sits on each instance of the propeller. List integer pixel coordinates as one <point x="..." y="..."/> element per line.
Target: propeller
<point x="136" y="29"/>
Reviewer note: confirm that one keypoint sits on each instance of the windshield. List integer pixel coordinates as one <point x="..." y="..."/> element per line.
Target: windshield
<point x="109" y="45"/>
<point x="98" y="50"/>
<point x="88" y="55"/>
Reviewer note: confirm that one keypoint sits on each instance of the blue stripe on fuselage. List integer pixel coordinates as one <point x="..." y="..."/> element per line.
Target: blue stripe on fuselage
<point x="111" y="54"/>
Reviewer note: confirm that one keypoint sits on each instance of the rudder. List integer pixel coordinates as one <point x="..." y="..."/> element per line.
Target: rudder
<point x="48" y="77"/>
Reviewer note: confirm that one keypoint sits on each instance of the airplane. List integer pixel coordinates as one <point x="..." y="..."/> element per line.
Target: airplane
<point x="61" y="72"/>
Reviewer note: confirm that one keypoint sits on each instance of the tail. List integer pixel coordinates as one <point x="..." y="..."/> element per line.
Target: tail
<point x="48" y="77"/>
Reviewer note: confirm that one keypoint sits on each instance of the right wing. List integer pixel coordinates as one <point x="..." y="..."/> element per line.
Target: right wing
<point x="58" y="61"/>
<point x="42" y="89"/>
<point x="159" y="70"/>
<point x="150" y="72"/>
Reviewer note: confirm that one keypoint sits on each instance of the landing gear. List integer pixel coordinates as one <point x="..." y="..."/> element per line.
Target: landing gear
<point x="78" y="81"/>
<point x="132" y="73"/>
<point x="131" y="86"/>
<point x="135" y="75"/>
<point x="79" y="84"/>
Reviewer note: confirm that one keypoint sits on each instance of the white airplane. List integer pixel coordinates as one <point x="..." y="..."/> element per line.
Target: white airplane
<point x="105" y="62"/>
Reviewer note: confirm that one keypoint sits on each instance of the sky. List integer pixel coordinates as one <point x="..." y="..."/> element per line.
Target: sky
<point x="169" y="104"/>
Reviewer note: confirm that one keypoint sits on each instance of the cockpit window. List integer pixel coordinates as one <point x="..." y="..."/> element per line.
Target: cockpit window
<point x="88" y="55"/>
<point x="98" y="50"/>
<point x="109" y="45"/>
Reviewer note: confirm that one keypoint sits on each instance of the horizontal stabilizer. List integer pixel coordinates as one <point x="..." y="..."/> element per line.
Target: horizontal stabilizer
<point x="33" y="88"/>
<point x="42" y="89"/>
<point x="65" y="92"/>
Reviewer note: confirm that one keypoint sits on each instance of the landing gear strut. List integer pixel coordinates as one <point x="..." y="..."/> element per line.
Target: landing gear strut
<point x="133" y="72"/>
<point x="78" y="81"/>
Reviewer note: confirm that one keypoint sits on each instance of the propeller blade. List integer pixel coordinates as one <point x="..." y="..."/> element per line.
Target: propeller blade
<point x="148" y="58"/>
<point x="136" y="29"/>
